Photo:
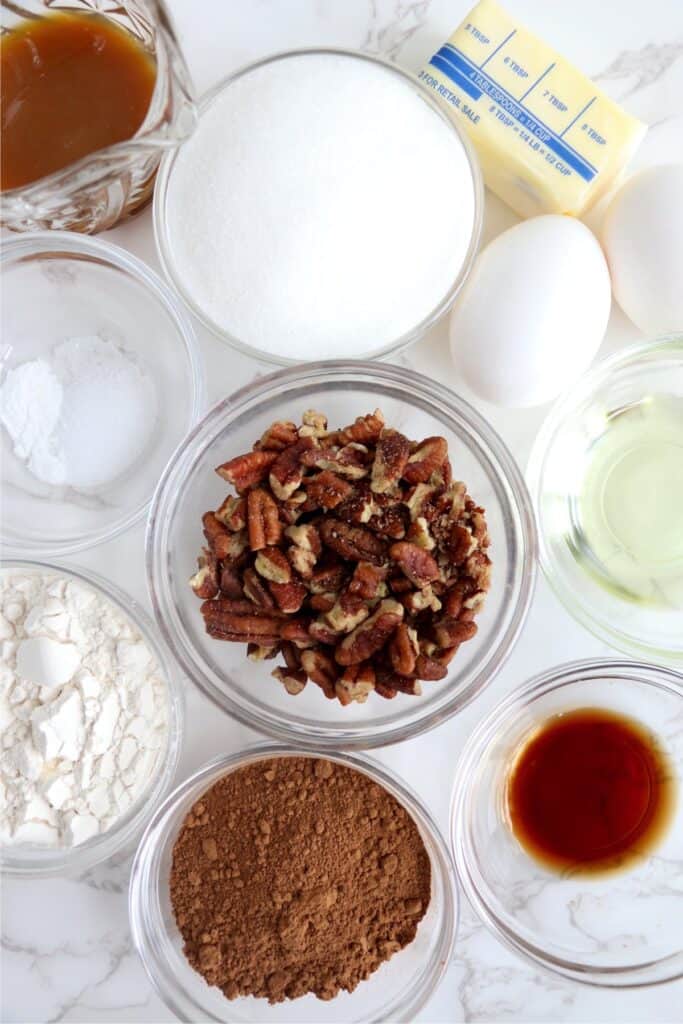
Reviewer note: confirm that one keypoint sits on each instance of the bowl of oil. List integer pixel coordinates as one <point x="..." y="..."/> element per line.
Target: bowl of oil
<point x="567" y="822"/>
<point x="606" y="479"/>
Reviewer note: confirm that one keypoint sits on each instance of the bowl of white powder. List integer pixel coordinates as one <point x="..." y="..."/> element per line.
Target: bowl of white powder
<point x="324" y="207"/>
<point x="100" y="378"/>
<point x="91" y="715"/>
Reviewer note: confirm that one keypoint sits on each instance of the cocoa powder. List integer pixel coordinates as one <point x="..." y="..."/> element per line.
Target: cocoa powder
<point x="295" y="875"/>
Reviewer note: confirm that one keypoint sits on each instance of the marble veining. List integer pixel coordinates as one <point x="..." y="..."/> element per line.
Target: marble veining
<point x="638" y="69"/>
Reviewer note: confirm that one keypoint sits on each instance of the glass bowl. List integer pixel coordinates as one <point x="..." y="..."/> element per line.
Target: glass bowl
<point x="163" y="220"/>
<point x="342" y="390"/>
<point x="56" y="286"/>
<point x="30" y="861"/>
<point x="646" y="627"/>
<point x="102" y="188"/>
<point x="396" y="991"/>
<point x="620" y="930"/>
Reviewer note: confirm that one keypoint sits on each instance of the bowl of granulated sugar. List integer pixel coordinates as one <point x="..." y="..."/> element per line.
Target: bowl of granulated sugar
<point x="325" y="206"/>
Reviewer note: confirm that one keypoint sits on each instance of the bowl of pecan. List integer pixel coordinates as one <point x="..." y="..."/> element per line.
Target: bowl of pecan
<point x="342" y="553"/>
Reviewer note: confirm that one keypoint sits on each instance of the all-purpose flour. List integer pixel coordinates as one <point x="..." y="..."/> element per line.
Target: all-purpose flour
<point x="321" y="208"/>
<point x="83" y="711"/>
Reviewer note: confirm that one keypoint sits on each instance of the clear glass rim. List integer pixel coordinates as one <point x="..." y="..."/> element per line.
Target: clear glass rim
<point x="432" y="395"/>
<point x="161" y="222"/>
<point x="146" y="922"/>
<point x="606" y="630"/>
<point x="476" y="747"/>
<point x="147" y="136"/>
<point x="55" y="243"/>
<point x="46" y="863"/>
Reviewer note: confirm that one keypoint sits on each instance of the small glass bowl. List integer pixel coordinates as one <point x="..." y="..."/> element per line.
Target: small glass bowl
<point x="28" y="861"/>
<point x="556" y="471"/>
<point x="163" y="224"/>
<point x="619" y="930"/>
<point x="110" y="184"/>
<point x="395" y="992"/>
<point x="342" y="390"/>
<point x="59" y="285"/>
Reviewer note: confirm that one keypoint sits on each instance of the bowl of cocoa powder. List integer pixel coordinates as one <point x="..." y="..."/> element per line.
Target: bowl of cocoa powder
<point x="278" y="885"/>
<point x="341" y="554"/>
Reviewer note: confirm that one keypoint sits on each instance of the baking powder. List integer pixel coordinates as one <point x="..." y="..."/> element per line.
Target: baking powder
<point x="83" y="711"/>
<point x="82" y="416"/>
<point x="321" y="208"/>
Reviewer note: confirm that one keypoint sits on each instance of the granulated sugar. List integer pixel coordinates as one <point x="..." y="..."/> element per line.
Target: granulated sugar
<point x="322" y="208"/>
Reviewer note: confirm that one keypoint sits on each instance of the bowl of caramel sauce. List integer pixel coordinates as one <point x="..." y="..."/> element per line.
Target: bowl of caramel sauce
<point x="567" y="822"/>
<point x="90" y="100"/>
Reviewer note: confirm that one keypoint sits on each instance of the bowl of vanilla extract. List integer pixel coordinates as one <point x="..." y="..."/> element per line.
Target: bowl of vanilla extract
<point x="567" y="822"/>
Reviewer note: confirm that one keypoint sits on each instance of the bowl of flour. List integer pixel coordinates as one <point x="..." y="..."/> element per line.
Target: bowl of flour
<point x="324" y="207"/>
<point x="100" y="379"/>
<point x="91" y="717"/>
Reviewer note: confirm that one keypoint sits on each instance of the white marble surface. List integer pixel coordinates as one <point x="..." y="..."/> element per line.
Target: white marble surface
<point x="67" y="948"/>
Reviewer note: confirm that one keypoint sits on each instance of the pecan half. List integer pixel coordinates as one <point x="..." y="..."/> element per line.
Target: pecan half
<point x="217" y="535"/>
<point x="286" y="472"/>
<point x="419" y="533"/>
<point x="289" y="596"/>
<point x="355" y="684"/>
<point x="459" y="544"/>
<point x="320" y="669"/>
<point x="232" y="513"/>
<point x="429" y="668"/>
<point x="347" y="613"/>
<point x="368" y="581"/>
<point x="313" y="424"/>
<point x="391" y="457"/>
<point x="231" y="582"/>
<point x="364" y="429"/>
<point x="428" y="457"/>
<point x="245" y="471"/>
<point x="279" y="435"/>
<point x="353" y="543"/>
<point x="449" y="632"/>
<point x="415" y="562"/>
<point x="327" y="490"/>
<point x="404" y="649"/>
<point x="260" y="629"/>
<point x="272" y="564"/>
<point x="263" y="520"/>
<point x="303" y="552"/>
<point x="293" y="679"/>
<point x="410" y="686"/>
<point x="255" y="590"/>
<point x="328" y="578"/>
<point x="346" y="462"/>
<point x="223" y="542"/>
<point x="323" y="633"/>
<point x="371" y="635"/>
<point x="205" y="580"/>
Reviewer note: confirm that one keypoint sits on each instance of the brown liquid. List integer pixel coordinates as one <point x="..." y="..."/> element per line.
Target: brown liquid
<point x="71" y="84"/>
<point x="591" y="792"/>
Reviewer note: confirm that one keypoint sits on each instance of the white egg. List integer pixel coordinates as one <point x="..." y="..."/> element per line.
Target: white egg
<point x="643" y="239"/>
<point x="533" y="311"/>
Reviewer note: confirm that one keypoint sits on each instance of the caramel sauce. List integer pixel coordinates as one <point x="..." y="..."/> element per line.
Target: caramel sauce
<point x="72" y="83"/>
<point x="590" y="792"/>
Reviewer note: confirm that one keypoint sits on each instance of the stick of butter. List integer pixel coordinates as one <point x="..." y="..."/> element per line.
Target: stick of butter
<point x="548" y="141"/>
